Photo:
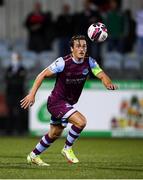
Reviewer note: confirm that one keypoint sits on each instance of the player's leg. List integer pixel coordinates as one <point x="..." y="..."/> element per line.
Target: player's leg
<point x="54" y="132"/>
<point x="78" y="122"/>
<point x="67" y="113"/>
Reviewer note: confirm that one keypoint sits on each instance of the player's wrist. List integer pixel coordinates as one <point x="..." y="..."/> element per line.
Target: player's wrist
<point x="32" y="94"/>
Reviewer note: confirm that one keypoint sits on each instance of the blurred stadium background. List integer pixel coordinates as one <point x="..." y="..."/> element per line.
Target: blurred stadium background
<point x="38" y="39"/>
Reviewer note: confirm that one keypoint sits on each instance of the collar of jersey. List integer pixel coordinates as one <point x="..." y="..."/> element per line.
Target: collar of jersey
<point x="77" y="62"/>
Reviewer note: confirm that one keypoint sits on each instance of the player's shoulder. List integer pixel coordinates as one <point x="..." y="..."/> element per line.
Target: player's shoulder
<point x="91" y="58"/>
<point x="59" y="59"/>
<point x="92" y="62"/>
<point x="59" y="62"/>
<point x="67" y="57"/>
<point x="57" y="66"/>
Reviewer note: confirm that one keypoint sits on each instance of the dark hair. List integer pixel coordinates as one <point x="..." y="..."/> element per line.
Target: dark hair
<point x="76" y="37"/>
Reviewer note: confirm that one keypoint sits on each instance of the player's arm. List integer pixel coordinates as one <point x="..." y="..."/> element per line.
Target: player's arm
<point x="30" y="98"/>
<point x="106" y="80"/>
<point x="99" y="73"/>
<point x="45" y="73"/>
<point x="55" y="67"/>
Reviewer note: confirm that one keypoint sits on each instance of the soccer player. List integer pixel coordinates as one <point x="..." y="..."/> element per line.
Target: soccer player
<point x="72" y="71"/>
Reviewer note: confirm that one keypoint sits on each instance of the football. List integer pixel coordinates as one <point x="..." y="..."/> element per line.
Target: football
<point x="97" y="32"/>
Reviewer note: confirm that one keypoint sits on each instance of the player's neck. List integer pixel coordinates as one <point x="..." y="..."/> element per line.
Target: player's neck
<point x="77" y="60"/>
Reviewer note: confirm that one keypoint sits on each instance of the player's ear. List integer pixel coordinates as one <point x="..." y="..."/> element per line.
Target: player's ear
<point x="71" y="49"/>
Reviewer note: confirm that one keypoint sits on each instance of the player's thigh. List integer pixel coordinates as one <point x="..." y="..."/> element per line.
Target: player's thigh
<point x="78" y="120"/>
<point x="55" y="131"/>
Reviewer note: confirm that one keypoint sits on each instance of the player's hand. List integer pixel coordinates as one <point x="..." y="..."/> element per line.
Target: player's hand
<point x="27" y="101"/>
<point x="112" y="87"/>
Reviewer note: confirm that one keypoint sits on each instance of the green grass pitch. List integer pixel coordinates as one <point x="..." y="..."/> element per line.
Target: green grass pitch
<point x="99" y="159"/>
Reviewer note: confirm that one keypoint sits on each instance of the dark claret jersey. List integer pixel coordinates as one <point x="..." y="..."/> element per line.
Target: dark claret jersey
<point x="71" y="76"/>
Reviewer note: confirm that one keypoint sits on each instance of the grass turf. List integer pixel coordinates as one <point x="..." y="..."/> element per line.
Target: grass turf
<point x="99" y="158"/>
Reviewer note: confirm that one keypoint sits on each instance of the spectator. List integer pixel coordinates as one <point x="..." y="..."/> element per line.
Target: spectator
<point x="64" y="29"/>
<point x="49" y="30"/>
<point x="139" y="31"/>
<point x="35" y="24"/>
<point x="83" y="20"/>
<point x="115" y="25"/>
<point x="15" y="79"/>
<point x="129" y="32"/>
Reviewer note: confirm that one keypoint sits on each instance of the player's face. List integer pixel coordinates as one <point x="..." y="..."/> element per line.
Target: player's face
<point x="79" y="49"/>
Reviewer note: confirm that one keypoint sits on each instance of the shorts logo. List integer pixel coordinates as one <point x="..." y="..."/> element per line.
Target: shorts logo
<point x="85" y="72"/>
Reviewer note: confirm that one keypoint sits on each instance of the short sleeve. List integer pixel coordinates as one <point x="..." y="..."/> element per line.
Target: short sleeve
<point x="95" y="68"/>
<point x="57" y="66"/>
